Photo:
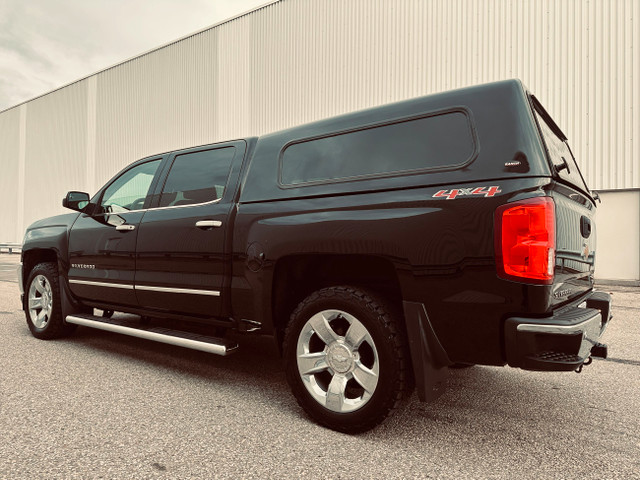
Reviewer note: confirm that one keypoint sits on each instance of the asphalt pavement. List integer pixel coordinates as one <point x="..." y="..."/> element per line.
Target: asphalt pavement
<point x="101" y="405"/>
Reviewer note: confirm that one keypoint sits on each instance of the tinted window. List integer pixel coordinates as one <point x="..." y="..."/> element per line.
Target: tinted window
<point x="197" y="177"/>
<point x="559" y="153"/>
<point x="129" y="190"/>
<point x="444" y="140"/>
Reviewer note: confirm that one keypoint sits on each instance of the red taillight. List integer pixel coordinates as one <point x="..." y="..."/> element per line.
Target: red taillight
<point x="525" y="240"/>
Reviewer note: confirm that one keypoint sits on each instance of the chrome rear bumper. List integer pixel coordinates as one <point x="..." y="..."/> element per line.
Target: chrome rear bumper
<point x="561" y="342"/>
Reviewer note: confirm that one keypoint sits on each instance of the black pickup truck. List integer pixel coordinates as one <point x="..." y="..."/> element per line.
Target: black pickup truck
<point x="378" y="249"/>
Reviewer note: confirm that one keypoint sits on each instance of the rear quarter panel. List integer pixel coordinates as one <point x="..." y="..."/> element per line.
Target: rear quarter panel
<point x="442" y="251"/>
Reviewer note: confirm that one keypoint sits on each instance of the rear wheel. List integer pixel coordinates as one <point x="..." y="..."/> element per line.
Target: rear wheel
<point x="346" y="358"/>
<point x="42" y="305"/>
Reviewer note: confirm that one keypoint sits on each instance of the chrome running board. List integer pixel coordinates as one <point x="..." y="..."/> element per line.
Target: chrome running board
<point x="194" y="341"/>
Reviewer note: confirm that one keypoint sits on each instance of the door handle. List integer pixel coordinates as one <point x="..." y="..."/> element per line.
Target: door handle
<point x="125" y="228"/>
<point x="208" y="223"/>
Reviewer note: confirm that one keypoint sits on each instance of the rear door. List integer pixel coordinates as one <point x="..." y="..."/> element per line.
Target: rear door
<point x="181" y="261"/>
<point x="575" y="214"/>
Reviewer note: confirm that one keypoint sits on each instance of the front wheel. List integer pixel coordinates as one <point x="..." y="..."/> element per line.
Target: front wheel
<point x="346" y="358"/>
<point x="42" y="305"/>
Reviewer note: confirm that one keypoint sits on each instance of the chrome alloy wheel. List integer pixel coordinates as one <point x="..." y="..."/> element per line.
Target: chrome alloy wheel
<point x="337" y="361"/>
<point x="40" y="301"/>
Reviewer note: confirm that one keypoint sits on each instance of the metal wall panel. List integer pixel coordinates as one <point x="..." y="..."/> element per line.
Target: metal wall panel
<point x="158" y="102"/>
<point x="9" y="170"/>
<point x="233" y="101"/>
<point x="295" y="61"/>
<point x="55" y="150"/>
<point x="618" y="249"/>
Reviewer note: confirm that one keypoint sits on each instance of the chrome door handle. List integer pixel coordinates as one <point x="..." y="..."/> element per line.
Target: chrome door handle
<point x="125" y="228"/>
<point x="208" y="223"/>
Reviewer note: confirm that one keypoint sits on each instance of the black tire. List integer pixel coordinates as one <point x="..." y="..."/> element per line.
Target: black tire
<point x="460" y="366"/>
<point x="42" y="307"/>
<point x="344" y="360"/>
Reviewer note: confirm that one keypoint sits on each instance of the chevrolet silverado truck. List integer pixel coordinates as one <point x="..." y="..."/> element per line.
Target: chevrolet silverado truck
<point x="377" y="248"/>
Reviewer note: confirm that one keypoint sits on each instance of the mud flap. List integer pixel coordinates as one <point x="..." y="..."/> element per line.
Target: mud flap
<point x="430" y="361"/>
<point x="68" y="304"/>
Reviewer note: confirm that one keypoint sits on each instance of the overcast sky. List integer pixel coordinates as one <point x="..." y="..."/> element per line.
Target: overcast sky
<point x="45" y="44"/>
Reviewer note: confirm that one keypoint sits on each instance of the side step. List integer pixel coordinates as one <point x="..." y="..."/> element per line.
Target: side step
<point x="553" y="361"/>
<point x="193" y="341"/>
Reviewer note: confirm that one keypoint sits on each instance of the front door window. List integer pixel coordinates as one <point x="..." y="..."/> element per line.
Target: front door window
<point x="129" y="191"/>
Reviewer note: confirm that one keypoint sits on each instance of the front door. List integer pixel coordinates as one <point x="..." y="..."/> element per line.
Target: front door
<point x="181" y="242"/>
<point x="102" y="244"/>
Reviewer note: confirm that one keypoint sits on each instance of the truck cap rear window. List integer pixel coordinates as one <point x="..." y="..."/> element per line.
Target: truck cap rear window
<point x="560" y="154"/>
<point x="439" y="141"/>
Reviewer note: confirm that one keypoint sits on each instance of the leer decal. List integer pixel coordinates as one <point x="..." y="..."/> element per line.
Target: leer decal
<point x="458" y="192"/>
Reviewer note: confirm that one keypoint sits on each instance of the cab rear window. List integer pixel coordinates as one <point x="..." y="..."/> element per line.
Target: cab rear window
<point x="435" y="142"/>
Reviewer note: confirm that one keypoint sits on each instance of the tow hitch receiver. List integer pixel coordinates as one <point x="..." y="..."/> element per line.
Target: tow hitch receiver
<point x="599" y="350"/>
<point x="584" y="364"/>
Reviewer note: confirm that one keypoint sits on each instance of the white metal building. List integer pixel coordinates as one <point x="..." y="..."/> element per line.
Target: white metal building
<point x="294" y="61"/>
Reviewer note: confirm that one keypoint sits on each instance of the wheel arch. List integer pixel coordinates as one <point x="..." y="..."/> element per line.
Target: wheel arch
<point x="34" y="256"/>
<point x="297" y="276"/>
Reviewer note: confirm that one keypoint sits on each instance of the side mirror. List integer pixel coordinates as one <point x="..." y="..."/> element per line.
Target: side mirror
<point x="76" y="201"/>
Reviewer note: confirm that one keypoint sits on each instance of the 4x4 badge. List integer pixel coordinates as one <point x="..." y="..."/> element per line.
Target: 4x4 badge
<point x="457" y="192"/>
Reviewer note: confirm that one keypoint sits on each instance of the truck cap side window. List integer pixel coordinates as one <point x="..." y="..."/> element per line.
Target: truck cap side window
<point x="197" y="177"/>
<point x="437" y="141"/>
<point x="129" y="191"/>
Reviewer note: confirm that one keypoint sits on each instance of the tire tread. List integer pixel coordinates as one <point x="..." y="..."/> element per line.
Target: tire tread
<point x="382" y="311"/>
<point x="56" y="326"/>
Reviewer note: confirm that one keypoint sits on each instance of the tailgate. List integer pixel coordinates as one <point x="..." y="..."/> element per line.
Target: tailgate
<point x="575" y="214"/>
<point x="575" y="244"/>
